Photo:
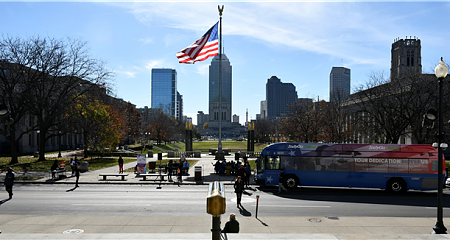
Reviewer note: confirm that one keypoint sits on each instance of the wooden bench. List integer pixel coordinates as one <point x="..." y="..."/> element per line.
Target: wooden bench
<point x="145" y="175"/>
<point x="104" y="175"/>
<point x="60" y="173"/>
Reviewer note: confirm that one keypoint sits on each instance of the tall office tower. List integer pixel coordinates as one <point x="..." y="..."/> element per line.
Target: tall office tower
<point x="263" y="110"/>
<point x="179" y="107"/>
<point x="214" y="93"/>
<point x="278" y="97"/>
<point x="339" y="84"/>
<point x="235" y="118"/>
<point x="405" y="57"/>
<point x="200" y="119"/>
<point x="164" y="90"/>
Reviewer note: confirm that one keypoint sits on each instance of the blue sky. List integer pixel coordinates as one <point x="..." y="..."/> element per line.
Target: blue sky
<point x="299" y="42"/>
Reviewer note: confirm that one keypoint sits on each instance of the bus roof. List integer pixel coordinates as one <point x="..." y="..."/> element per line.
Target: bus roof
<point x="329" y="149"/>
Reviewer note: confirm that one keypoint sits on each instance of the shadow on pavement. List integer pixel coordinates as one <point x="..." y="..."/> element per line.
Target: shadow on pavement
<point x="244" y="211"/>
<point x="263" y="223"/>
<point x="4" y="200"/>
<point x="353" y="195"/>
<point x="71" y="190"/>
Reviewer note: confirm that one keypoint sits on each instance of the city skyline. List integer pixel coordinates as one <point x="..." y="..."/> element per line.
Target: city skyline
<point x="299" y="42"/>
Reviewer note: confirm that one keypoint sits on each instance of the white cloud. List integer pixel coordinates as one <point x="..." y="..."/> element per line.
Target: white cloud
<point x="304" y="26"/>
<point x="203" y="69"/>
<point x="154" y="64"/>
<point x="146" y="40"/>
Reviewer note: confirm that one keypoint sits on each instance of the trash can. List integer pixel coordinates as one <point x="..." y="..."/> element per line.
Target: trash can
<point x="151" y="166"/>
<point x="150" y="154"/>
<point x="198" y="173"/>
<point x="84" y="166"/>
<point x="236" y="156"/>
<point x="159" y="156"/>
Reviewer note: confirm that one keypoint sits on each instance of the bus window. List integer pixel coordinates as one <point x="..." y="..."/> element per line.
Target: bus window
<point x="272" y="162"/>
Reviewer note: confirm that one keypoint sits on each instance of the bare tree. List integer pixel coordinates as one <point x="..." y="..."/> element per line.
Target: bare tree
<point x="15" y="95"/>
<point x="263" y="128"/>
<point x="302" y="121"/>
<point x="335" y="126"/>
<point x="53" y="71"/>
<point x="392" y="108"/>
<point x="132" y="119"/>
<point x="161" y="126"/>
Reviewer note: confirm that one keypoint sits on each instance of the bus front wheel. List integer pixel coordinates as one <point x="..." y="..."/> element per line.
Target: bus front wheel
<point x="291" y="181"/>
<point x="396" y="185"/>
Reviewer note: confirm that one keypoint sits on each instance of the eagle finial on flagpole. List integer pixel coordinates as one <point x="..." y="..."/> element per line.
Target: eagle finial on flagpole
<point x="220" y="10"/>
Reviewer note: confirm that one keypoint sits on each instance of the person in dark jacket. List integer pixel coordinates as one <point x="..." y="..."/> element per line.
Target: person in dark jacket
<point x="281" y="181"/>
<point x="120" y="161"/>
<point x="231" y="226"/>
<point x="77" y="173"/>
<point x="170" y="169"/>
<point x="9" y="182"/>
<point x="53" y="168"/>
<point x="238" y="189"/>
<point x="216" y="166"/>
<point x="248" y="173"/>
<point x="241" y="171"/>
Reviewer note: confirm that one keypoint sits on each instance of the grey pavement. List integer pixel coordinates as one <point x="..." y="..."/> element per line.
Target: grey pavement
<point x="185" y="227"/>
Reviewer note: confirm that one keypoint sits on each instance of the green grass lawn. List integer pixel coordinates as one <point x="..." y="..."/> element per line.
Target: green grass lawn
<point x="33" y="165"/>
<point x="233" y="145"/>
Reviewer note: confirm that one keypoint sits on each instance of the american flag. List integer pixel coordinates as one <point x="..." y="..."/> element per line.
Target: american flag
<point x="207" y="46"/>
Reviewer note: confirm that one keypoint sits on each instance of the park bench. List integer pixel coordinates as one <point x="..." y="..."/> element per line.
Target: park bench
<point x="59" y="173"/>
<point x="156" y="175"/>
<point x="104" y="175"/>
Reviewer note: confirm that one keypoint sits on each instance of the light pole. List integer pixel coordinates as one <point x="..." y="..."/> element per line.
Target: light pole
<point x="59" y="143"/>
<point x="441" y="72"/>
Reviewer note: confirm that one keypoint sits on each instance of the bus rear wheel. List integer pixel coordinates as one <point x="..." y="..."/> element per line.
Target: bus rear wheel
<point x="291" y="181"/>
<point x="396" y="185"/>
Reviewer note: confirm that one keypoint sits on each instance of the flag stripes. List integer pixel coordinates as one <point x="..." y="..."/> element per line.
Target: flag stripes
<point x="205" y="47"/>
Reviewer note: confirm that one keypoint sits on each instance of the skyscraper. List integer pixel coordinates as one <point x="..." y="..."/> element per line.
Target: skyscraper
<point x="339" y="84"/>
<point x="164" y="90"/>
<point x="278" y="97"/>
<point x="179" y="107"/>
<point x="214" y="93"/>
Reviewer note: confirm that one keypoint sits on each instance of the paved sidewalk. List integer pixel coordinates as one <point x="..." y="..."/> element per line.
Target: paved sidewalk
<point x="185" y="227"/>
<point x="93" y="177"/>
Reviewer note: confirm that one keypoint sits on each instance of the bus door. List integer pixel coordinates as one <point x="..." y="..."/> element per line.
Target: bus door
<point x="272" y="170"/>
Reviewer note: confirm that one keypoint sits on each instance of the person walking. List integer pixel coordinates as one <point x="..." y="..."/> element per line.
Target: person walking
<point x="77" y="173"/>
<point x="248" y="173"/>
<point x="241" y="172"/>
<point x="232" y="226"/>
<point x="71" y="166"/>
<point x="120" y="164"/>
<point x="186" y="166"/>
<point x="238" y="189"/>
<point x="169" y="169"/>
<point x="180" y="173"/>
<point x="281" y="181"/>
<point x="9" y="182"/>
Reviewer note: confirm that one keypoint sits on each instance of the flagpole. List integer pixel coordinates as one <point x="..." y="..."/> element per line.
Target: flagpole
<point x="219" y="147"/>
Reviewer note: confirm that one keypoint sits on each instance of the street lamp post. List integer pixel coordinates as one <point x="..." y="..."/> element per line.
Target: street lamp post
<point x="59" y="143"/>
<point x="441" y="72"/>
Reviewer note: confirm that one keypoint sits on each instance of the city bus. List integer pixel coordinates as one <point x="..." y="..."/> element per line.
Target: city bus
<point x="392" y="167"/>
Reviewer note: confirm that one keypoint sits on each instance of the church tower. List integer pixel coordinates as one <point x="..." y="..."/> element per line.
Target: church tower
<point x="405" y="57"/>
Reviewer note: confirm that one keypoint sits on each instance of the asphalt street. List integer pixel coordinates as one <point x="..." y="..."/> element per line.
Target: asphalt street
<point x="190" y="200"/>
